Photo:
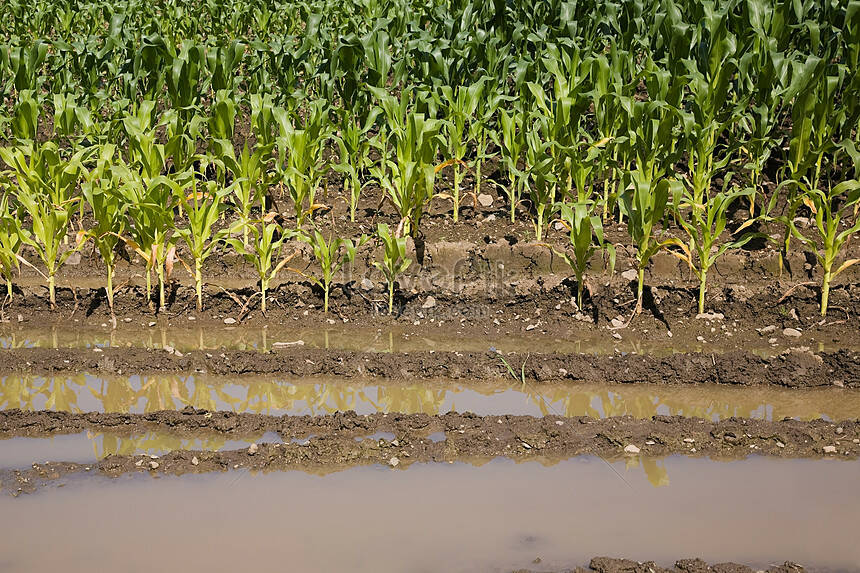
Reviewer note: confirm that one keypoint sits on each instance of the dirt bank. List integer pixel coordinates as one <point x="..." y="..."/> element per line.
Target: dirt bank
<point x="614" y="565"/>
<point x="797" y="368"/>
<point x="322" y="444"/>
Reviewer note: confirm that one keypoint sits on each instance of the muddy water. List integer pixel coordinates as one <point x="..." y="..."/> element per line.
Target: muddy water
<point x="140" y="394"/>
<point x="343" y="337"/>
<point x="440" y="517"/>
<point x="86" y="447"/>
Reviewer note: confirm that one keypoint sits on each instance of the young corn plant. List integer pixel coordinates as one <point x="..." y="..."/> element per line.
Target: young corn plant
<point x="150" y="205"/>
<point x="586" y="238"/>
<point x="265" y="252"/>
<point x="250" y="179"/>
<point x="100" y="191"/>
<point x="459" y="106"/>
<point x="829" y="208"/>
<point x="201" y="209"/>
<point x="644" y="202"/>
<point x="10" y="241"/>
<point x="300" y="157"/>
<point x="45" y="184"/>
<point x="408" y="179"/>
<point x="354" y="147"/>
<point x="511" y="140"/>
<point x="331" y="255"/>
<point x="704" y="224"/>
<point x="394" y="261"/>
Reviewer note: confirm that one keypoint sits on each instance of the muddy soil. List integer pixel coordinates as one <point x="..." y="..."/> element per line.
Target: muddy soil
<point x="322" y="444"/>
<point x="796" y="368"/>
<point x="615" y="565"/>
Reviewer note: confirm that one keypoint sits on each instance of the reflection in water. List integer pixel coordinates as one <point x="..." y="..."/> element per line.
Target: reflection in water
<point x="140" y="394"/>
<point x="16" y="453"/>
<point x="345" y="337"/>
<point x="757" y="511"/>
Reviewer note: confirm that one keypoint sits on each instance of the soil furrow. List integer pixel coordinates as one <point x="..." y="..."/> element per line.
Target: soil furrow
<point x="795" y="368"/>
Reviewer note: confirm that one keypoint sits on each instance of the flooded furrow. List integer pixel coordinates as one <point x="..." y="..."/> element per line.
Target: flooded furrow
<point x="90" y="447"/>
<point x="346" y="337"/>
<point x="444" y="517"/>
<point x="272" y="395"/>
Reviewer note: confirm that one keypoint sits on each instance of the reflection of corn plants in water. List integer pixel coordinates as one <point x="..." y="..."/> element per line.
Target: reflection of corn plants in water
<point x="153" y="393"/>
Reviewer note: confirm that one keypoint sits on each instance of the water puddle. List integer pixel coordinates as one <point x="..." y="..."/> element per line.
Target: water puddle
<point x="141" y="394"/>
<point x="497" y="516"/>
<point x="86" y="447"/>
<point x="344" y="337"/>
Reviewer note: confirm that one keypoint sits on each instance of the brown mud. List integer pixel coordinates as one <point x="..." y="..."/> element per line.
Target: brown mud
<point x="326" y="443"/>
<point x="615" y="565"/>
<point x="794" y="368"/>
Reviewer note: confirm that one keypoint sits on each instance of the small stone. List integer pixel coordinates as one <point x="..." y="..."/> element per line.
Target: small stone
<point x="531" y="327"/>
<point x="153" y="465"/>
<point x="631" y="449"/>
<point x="630" y="275"/>
<point x="366" y="284"/>
<point x="829" y="449"/>
<point x="700" y="338"/>
<point x="780" y="445"/>
<point x="689" y="440"/>
<point x="771" y="340"/>
<point x="394" y="462"/>
<point x="194" y="461"/>
<point x="710" y="316"/>
<point x="792" y="332"/>
<point x="485" y="200"/>
<point x="490" y="219"/>
<point x="616" y="336"/>
<point x="138" y="463"/>
<point x="526" y="446"/>
<point x="649" y="442"/>
<point x="617" y="322"/>
<point x="669" y="334"/>
<point x="229" y="320"/>
<point x="151" y="324"/>
<point x="429" y="303"/>
<point x="768" y="329"/>
<point x="252" y="449"/>
<point x="839" y="430"/>
<point x="20" y="318"/>
<point x="559" y="423"/>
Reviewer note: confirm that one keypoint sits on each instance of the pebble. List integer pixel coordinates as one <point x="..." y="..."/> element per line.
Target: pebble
<point x="829" y="449"/>
<point x="485" y="200"/>
<point x="366" y="284"/>
<point x="631" y="449"/>
<point x="792" y="332"/>
<point x="490" y="219"/>
<point x="252" y="449"/>
<point x="630" y="275"/>
<point x="531" y="327"/>
<point x="839" y="430"/>
<point x="700" y="338"/>
<point x="429" y="303"/>
<point x="768" y="329"/>
<point x="229" y="320"/>
<point x="780" y="445"/>
<point x="649" y="443"/>
<point x="616" y="336"/>
<point x="617" y="322"/>
<point x="151" y="324"/>
<point x="559" y="423"/>
<point x="394" y="462"/>
<point x="710" y="316"/>
<point x="689" y="440"/>
<point x="153" y="465"/>
<point x="194" y="461"/>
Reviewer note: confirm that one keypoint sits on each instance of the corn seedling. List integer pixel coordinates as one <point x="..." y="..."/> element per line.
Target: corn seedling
<point x="331" y="256"/>
<point x="265" y="252"/>
<point x="704" y="224"/>
<point x="829" y="208"/>
<point x="202" y="208"/>
<point x="586" y="237"/>
<point x="44" y="187"/>
<point x="354" y="145"/>
<point x="101" y="194"/>
<point x="394" y="261"/>
<point x="10" y="241"/>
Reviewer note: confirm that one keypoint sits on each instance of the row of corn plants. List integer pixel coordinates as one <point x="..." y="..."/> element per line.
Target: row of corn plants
<point x="695" y="124"/>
